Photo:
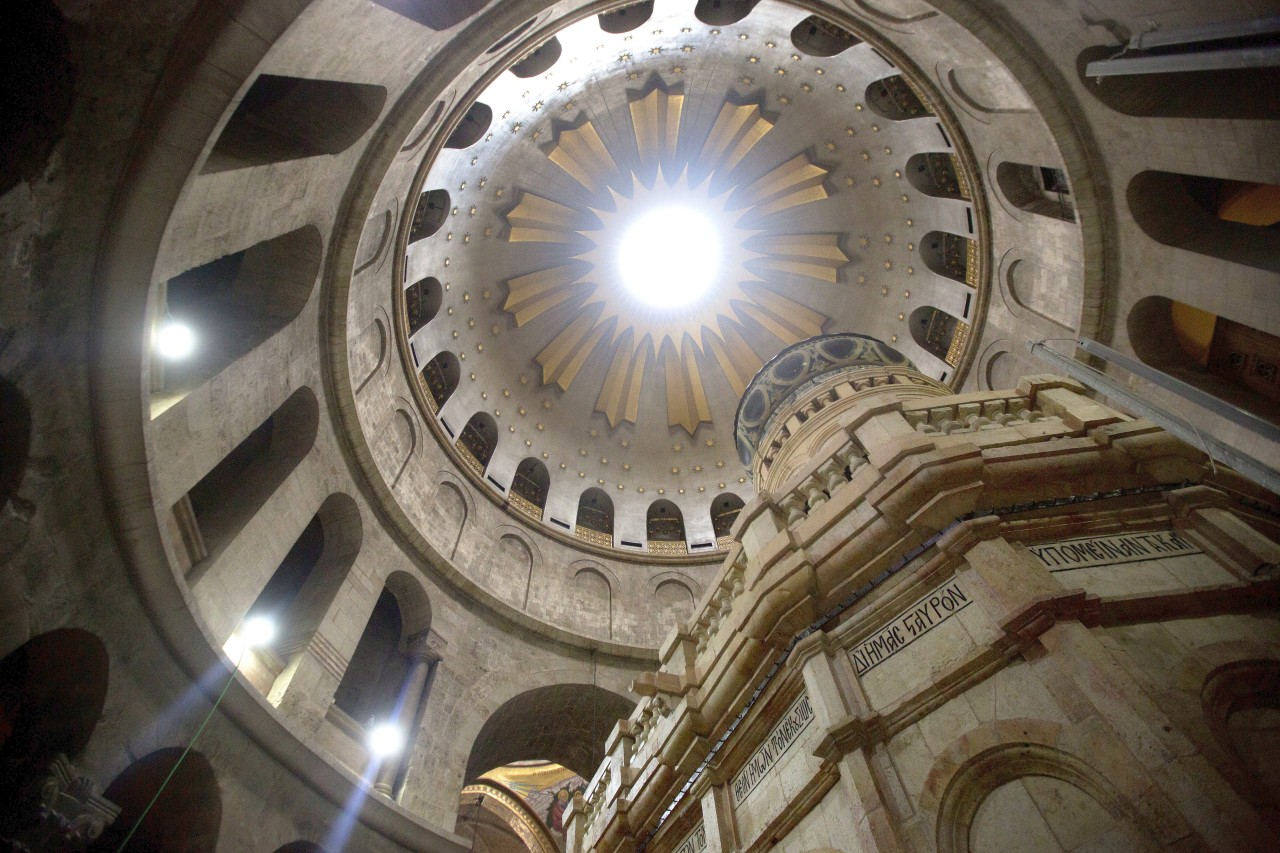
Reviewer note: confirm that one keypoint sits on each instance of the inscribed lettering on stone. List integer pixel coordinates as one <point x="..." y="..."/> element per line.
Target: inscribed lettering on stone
<point x="919" y="619"/>
<point x="775" y="746"/>
<point x="1111" y="550"/>
<point x="694" y="842"/>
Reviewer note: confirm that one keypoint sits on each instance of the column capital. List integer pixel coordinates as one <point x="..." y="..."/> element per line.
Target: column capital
<point x="426" y="646"/>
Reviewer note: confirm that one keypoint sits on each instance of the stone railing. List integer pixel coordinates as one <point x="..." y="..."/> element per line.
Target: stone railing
<point x="707" y="625"/>
<point x="972" y="415"/>
<point x="821" y="484"/>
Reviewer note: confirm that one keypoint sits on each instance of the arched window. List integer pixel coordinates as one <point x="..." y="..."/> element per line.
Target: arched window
<point x="288" y="118"/>
<point x="478" y="440"/>
<point x="473" y="126"/>
<point x="15" y="439"/>
<point x="540" y="60"/>
<point x="1037" y="189"/>
<point x="895" y="99"/>
<point x="298" y="595"/>
<point x="441" y="378"/>
<point x="627" y="18"/>
<point x="1229" y="360"/>
<point x="1242" y="705"/>
<point x="186" y="816"/>
<point x="422" y="302"/>
<point x="368" y="688"/>
<point x="595" y="518"/>
<point x="434" y="14"/>
<point x="936" y="174"/>
<point x="722" y="13"/>
<point x="234" y="304"/>
<point x="429" y="215"/>
<point x="529" y="488"/>
<point x="724" y="512"/>
<point x="817" y="36"/>
<point x="1231" y="220"/>
<point x="938" y="333"/>
<point x="664" y="528"/>
<point x="1235" y="93"/>
<point x="216" y="509"/>
<point x="950" y="255"/>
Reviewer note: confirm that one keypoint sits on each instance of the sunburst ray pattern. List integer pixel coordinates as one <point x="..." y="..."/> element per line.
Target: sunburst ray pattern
<point x="758" y="262"/>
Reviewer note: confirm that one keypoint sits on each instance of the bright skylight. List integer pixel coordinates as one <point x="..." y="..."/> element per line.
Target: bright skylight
<point x="669" y="256"/>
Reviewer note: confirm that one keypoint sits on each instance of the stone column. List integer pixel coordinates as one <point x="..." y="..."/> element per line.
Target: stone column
<point x="424" y="654"/>
<point x="717" y="818"/>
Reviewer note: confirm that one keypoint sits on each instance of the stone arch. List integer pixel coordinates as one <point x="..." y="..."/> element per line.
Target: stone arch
<point x="627" y="18"/>
<point x="370" y="686"/>
<point x="1241" y="703"/>
<point x="425" y="128"/>
<point x="673" y="595"/>
<point x="998" y="367"/>
<point x="429" y="214"/>
<point x="235" y="303"/>
<point x="394" y="444"/>
<point x="539" y="60"/>
<point x="376" y="239"/>
<point x="1042" y="190"/>
<point x="722" y="13"/>
<point x="434" y="14"/>
<point x="414" y="603"/>
<point x="478" y="440"/>
<point x="440" y="375"/>
<point x="303" y="588"/>
<point x="288" y="118"/>
<point x="214" y="511"/>
<point x="816" y="36"/>
<point x="52" y="691"/>
<point x="510" y="37"/>
<point x="1239" y="93"/>
<point x="1030" y="287"/>
<point x="1230" y="220"/>
<point x="985" y="759"/>
<point x="592" y="597"/>
<point x="935" y="174"/>
<point x="186" y="816"/>
<point x="15" y="439"/>
<point x="895" y="99"/>
<point x="474" y="124"/>
<point x="449" y="509"/>
<point x="510" y="566"/>
<point x="988" y="89"/>
<point x="368" y="353"/>
<point x="39" y="86"/>
<point x="1221" y="357"/>
<point x="422" y="301"/>
<point x="566" y="723"/>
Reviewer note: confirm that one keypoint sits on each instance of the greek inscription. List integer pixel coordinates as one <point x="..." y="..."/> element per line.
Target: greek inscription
<point x="1111" y="550"/>
<point x="782" y="738"/>
<point x="918" y="620"/>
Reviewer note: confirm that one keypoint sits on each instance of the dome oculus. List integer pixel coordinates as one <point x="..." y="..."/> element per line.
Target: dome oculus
<point x="669" y="256"/>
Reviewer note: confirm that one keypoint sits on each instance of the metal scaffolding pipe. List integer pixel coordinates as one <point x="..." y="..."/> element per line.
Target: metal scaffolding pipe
<point x="1217" y="450"/>
<point x="1248" y="28"/>
<point x="1235" y="414"/>
<point x="1209" y="60"/>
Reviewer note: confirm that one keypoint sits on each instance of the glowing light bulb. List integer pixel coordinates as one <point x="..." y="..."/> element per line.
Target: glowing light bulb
<point x="257" y="631"/>
<point x="175" y="341"/>
<point x="386" y="739"/>
<point x="669" y="257"/>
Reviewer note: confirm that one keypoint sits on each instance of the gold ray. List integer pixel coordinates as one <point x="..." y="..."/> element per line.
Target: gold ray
<point x="686" y="397"/>
<point x="528" y="296"/>
<point x="540" y="220"/>
<point x="656" y="121"/>
<point x="795" y="182"/>
<point x="785" y="318"/>
<point x="582" y="154"/>
<point x="619" y="398"/>
<point x="737" y="359"/>
<point x="563" y="357"/>
<point x="736" y="131"/>
<point x="814" y="255"/>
